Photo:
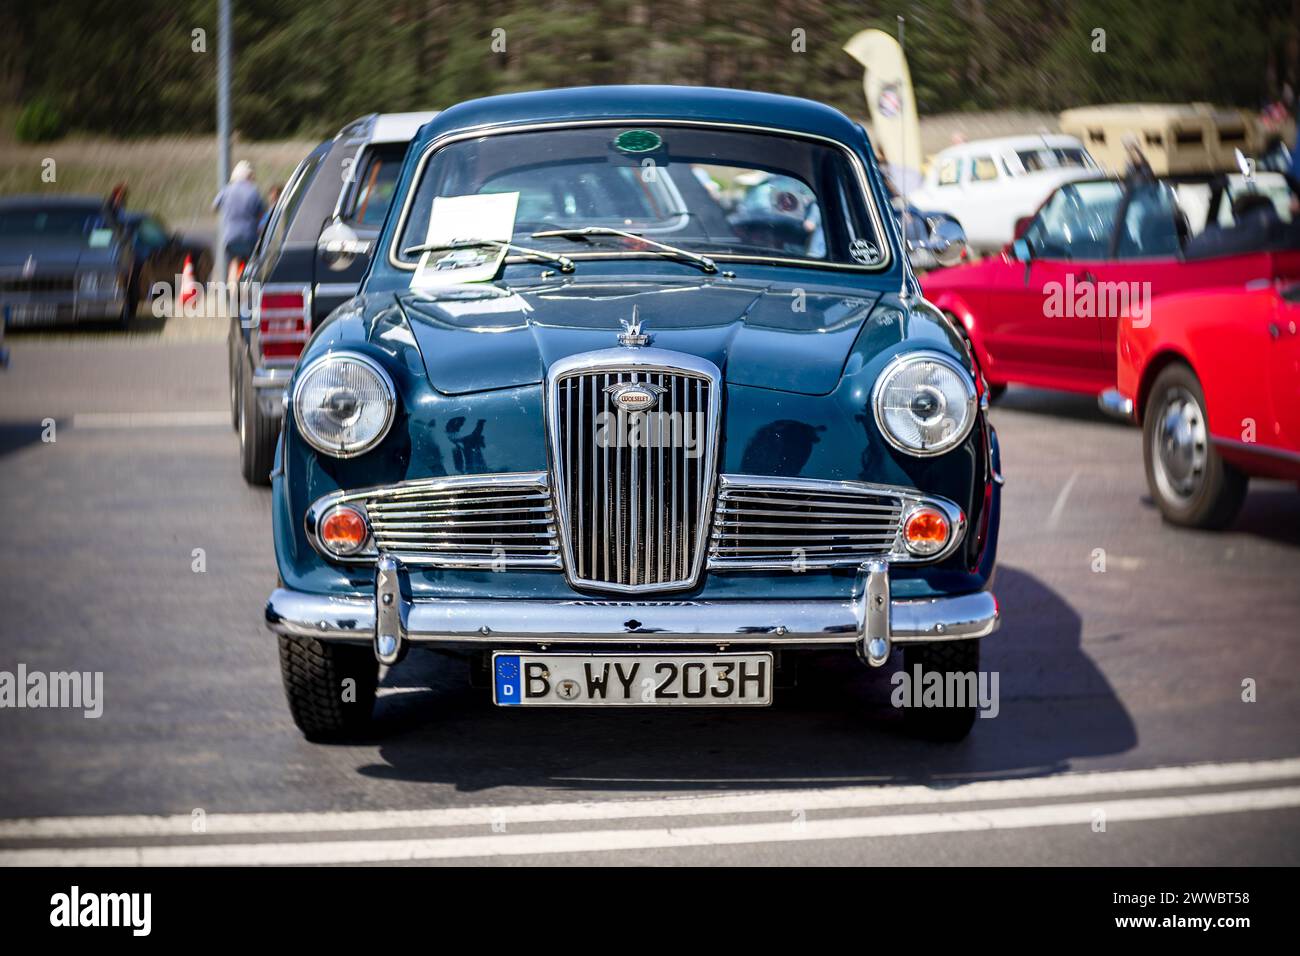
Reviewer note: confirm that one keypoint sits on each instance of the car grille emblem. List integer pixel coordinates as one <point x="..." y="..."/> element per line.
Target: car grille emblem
<point x="632" y="336"/>
<point x="634" y="396"/>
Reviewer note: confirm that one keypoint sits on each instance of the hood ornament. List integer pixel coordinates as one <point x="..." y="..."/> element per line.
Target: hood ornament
<point x="632" y="337"/>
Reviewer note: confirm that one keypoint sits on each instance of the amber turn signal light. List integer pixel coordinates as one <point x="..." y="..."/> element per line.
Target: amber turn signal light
<point x="343" y="531"/>
<point x="926" y="531"/>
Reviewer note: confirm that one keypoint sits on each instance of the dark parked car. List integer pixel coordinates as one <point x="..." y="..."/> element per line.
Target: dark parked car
<point x="632" y="453"/>
<point x="160" y="255"/>
<point x="73" y="258"/>
<point x="310" y="258"/>
<point x="64" y="259"/>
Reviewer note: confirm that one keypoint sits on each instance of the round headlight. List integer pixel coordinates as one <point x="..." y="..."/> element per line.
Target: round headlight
<point x="343" y="404"/>
<point x="924" y="403"/>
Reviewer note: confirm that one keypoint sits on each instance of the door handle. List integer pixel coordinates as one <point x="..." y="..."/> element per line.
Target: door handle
<point x="1273" y="331"/>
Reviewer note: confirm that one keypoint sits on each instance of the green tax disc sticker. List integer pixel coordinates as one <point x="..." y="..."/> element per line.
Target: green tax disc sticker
<point x="638" y="141"/>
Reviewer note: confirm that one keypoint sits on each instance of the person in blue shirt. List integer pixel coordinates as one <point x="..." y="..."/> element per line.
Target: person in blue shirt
<point x="241" y="208"/>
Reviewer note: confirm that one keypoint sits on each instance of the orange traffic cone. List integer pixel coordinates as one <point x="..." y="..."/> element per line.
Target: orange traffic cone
<point x="189" y="288"/>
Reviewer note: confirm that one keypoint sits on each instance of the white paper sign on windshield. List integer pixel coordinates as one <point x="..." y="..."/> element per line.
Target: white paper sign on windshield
<point x="459" y="218"/>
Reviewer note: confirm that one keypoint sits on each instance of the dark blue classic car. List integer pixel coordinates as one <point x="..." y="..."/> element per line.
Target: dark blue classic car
<point x="594" y="426"/>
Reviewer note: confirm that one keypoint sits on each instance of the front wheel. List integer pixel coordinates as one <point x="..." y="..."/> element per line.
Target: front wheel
<point x="953" y="719"/>
<point x="1191" y="483"/>
<point x="330" y="687"/>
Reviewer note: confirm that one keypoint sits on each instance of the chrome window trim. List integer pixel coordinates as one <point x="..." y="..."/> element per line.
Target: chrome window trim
<point x="367" y="555"/>
<point x="910" y="499"/>
<point x="390" y="403"/>
<point x="474" y="132"/>
<point x="905" y="358"/>
<point x="638" y="360"/>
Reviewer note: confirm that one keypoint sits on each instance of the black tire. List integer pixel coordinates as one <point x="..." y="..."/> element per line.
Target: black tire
<point x="996" y="392"/>
<point x="1190" y="482"/>
<point x="235" y="365"/>
<point x="942" y="723"/>
<point x="322" y="704"/>
<point x="257" y="435"/>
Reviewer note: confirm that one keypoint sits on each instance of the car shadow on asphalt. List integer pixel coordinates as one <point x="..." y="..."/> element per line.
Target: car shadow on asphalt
<point x="1271" y="511"/>
<point x="1037" y="401"/>
<point x="14" y="436"/>
<point x="836" y="728"/>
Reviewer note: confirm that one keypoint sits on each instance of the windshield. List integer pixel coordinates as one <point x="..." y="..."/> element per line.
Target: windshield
<point x="713" y="192"/>
<point x="1048" y="157"/>
<point x="83" y="224"/>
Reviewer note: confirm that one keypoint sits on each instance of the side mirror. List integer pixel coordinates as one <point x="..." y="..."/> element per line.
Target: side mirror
<point x="339" y="246"/>
<point x="947" y="242"/>
<point x="1021" y="250"/>
<point x="1022" y="226"/>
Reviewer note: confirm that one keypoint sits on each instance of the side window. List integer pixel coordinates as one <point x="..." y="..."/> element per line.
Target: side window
<point x="151" y="234"/>
<point x="1151" y="224"/>
<point x="948" y="172"/>
<point x="1077" y="222"/>
<point x="376" y="179"/>
<point x="983" y="169"/>
<point x="278" y="226"/>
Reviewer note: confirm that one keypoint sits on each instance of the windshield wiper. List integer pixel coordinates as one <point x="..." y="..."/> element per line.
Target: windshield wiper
<point x="564" y="262"/>
<point x="694" y="258"/>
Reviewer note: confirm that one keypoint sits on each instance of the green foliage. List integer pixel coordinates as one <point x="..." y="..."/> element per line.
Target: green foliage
<point x="303" y="67"/>
<point x="39" y="122"/>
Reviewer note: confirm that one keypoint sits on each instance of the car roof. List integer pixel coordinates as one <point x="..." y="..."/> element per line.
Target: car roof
<point x="52" y="202"/>
<point x="1003" y="143"/>
<point x="384" y="127"/>
<point x="399" y="127"/>
<point x="647" y="103"/>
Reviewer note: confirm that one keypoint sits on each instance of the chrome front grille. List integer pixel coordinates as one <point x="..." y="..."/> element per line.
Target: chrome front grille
<point x="633" y="489"/>
<point x="793" y="523"/>
<point x="478" y="521"/>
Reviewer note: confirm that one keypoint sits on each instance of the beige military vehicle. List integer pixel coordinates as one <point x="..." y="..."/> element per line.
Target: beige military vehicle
<point x="1174" y="138"/>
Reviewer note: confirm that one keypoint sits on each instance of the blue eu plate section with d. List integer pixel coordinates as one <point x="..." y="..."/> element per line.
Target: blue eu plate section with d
<point x="506" y="675"/>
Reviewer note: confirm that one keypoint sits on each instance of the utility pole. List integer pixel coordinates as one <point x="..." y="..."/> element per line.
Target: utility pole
<point x="223" y="125"/>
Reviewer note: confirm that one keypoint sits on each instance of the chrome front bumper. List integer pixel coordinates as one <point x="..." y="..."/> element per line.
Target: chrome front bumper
<point x="1116" y="405"/>
<point x="870" y="621"/>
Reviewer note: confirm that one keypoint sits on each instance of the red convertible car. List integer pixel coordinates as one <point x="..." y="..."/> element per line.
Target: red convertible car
<point x="1214" y="380"/>
<point x="1046" y="311"/>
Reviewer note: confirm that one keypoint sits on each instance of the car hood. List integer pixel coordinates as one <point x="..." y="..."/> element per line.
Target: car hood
<point x="60" y="256"/>
<point x="793" y="339"/>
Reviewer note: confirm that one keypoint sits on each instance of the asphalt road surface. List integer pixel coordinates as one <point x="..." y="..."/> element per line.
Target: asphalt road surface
<point x="1122" y="736"/>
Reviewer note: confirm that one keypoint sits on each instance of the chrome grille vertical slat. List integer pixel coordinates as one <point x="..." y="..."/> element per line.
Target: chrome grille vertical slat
<point x="672" y="543"/>
<point x="605" y="486"/>
<point x="618" y="491"/>
<point x="581" y="476"/>
<point x="634" y="506"/>
<point x="635" y="513"/>
<point x="661" y="503"/>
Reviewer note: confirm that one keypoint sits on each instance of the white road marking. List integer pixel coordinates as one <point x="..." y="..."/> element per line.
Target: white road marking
<point x="771" y="801"/>
<point x="150" y="419"/>
<point x="591" y="841"/>
<point x="1054" y="517"/>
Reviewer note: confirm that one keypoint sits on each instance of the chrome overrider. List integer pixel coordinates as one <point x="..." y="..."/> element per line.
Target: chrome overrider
<point x="869" y="621"/>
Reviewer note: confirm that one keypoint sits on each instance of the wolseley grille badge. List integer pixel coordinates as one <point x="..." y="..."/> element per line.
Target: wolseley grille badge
<point x="634" y="396"/>
<point x="632" y="336"/>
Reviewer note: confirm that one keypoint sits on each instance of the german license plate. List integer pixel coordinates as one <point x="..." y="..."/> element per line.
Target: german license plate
<point x="635" y="680"/>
